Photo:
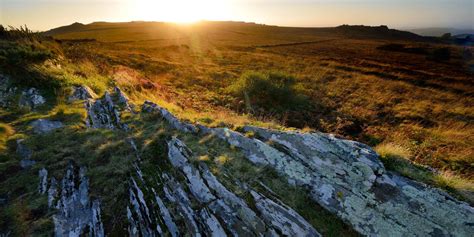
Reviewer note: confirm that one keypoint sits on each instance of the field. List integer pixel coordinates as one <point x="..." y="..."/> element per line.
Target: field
<point x="408" y="97"/>
<point x="384" y="89"/>
<point x="400" y="93"/>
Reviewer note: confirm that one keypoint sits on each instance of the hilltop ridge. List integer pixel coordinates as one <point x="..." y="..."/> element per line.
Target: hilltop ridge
<point x="349" y="31"/>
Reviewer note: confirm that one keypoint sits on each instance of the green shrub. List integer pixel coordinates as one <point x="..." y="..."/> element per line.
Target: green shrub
<point x="16" y="54"/>
<point x="271" y="91"/>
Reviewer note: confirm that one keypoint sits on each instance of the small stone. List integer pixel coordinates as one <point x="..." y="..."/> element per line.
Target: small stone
<point x="41" y="126"/>
<point x="23" y="151"/>
<point x="31" y="98"/>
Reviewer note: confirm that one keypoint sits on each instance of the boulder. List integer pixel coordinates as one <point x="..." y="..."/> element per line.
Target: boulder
<point x="41" y="126"/>
<point x="31" y="98"/>
<point x="81" y="93"/>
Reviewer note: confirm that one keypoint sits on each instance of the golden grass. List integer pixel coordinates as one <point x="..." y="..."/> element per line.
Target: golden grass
<point x="6" y="131"/>
<point x="397" y="158"/>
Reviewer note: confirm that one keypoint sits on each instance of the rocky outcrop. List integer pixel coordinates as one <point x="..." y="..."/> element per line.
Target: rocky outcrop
<point x="31" y="98"/>
<point x="42" y="126"/>
<point x="81" y="93"/>
<point x="348" y="179"/>
<point x="76" y="214"/>
<point x="203" y="205"/>
<point x="104" y="113"/>
<point x="150" y="107"/>
<point x="180" y="196"/>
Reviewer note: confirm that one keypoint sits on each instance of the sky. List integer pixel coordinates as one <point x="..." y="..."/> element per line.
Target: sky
<point x="403" y="14"/>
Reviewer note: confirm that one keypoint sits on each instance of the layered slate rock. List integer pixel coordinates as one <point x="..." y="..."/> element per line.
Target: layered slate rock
<point x="31" y="98"/>
<point x="348" y="179"/>
<point x="76" y="214"/>
<point x="81" y="93"/>
<point x="105" y="113"/>
<point x="42" y="126"/>
<point x="195" y="200"/>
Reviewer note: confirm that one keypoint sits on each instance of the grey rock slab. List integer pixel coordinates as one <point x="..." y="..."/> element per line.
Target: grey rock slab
<point x="213" y="226"/>
<point x="236" y="216"/>
<point x="347" y="179"/>
<point x="174" y="193"/>
<point x="139" y="215"/>
<point x="283" y="218"/>
<point x="178" y="155"/>
<point x="242" y="212"/>
<point x="42" y="126"/>
<point x="165" y="214"/>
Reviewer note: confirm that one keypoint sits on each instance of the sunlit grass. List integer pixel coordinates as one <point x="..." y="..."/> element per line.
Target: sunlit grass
<point x="397" y="158"/>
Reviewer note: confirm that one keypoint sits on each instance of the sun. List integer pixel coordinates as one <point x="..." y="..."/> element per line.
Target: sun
<point x="179" y="11"/>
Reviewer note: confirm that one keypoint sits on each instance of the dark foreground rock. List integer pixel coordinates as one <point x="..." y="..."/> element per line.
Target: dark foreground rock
<point x="348" y="179"/>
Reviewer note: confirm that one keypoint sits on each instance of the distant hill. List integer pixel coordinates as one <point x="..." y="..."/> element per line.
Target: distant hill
<point x="132" y="31"/>
<point x="66" y="29"/>
<point x="382" y="31"/>
<point x="440" y="31"/>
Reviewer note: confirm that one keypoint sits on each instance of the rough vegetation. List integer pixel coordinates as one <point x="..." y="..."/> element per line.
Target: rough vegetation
<point x="83" y="151"/>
